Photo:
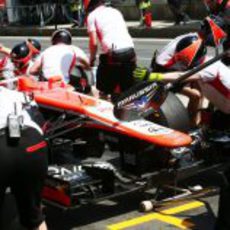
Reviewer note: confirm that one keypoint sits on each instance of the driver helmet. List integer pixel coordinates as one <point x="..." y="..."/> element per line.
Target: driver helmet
<point x="190" y="51"/>
<point x="34" y="46"/>
<point x="61" y="36"/>
<point x="20" y="55"/>
<point x="213" y="30"/>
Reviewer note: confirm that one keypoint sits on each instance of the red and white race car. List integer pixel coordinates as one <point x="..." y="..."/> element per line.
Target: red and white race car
<point x="150" y="154"/>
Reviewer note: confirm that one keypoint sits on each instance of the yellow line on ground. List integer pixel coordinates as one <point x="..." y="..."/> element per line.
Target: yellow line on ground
<point x="180" y="223"/>
<point x="162" y="216"/>
<point x="133" y="222"/>
<point x="183" y="208"/>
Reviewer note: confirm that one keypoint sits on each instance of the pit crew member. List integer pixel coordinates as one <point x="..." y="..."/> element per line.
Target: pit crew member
<point x="186" y="52"/>
<point x="107" y="28"/>
<point x="174" y="56"/>
<point x="213" y="82"/>
<point x="23" y="158"/>
<point x="21" y="57"/>
<point x="59" y="59"/>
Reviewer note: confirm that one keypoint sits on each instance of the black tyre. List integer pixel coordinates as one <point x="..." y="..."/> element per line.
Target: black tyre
<point x="172" y="114"/>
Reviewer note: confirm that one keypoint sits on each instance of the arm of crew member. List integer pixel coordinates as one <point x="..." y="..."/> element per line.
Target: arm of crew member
<point x="173" y="76"/>
<point x="36" y="67"/>
<point x="92" y="47"/>
<point x="85" y="63"/>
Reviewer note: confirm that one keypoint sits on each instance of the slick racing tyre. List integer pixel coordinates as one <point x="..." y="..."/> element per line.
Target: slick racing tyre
<point x="172" y="114"/>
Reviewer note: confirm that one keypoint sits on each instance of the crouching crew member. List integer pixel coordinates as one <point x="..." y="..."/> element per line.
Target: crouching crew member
<point x="213" y="82"/>
<point x="60" y="58"/>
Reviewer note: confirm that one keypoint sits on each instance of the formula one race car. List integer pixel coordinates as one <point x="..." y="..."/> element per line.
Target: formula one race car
<point x="94" y="155"/>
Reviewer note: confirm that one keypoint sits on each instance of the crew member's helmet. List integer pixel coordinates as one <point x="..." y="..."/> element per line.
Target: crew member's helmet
<point x="20" y="55"/>
<point x="90" y="5"/>
<point x="190" y="51"/>
<point x="34" y="46"/>
<point x="213" y="30"/>
<point x="61" y="36"/>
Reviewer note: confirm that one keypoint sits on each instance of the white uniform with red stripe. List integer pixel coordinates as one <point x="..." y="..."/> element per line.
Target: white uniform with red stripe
<point x="166" y="56"/>
<point x="110" y="27"/>
<point x="11" y="100"/>
<point x="215" y="85"/>
<point x="58" y="60"/>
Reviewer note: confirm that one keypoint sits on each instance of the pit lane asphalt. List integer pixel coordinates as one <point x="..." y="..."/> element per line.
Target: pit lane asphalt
<point x="108" y="213"/>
